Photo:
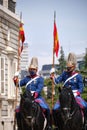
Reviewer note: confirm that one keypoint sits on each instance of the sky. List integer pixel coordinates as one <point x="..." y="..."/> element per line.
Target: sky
<point x="38" y="18"/>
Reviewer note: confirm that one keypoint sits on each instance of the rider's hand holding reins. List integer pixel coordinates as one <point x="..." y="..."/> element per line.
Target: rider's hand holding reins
<point x="35" y="94"/>
<point x="78" y="93"/>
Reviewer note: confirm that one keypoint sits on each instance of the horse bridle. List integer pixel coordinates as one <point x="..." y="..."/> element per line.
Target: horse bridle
<point x="31" y="119"/>
<point x="68" y="111"/>
<point x="28" y="119"/>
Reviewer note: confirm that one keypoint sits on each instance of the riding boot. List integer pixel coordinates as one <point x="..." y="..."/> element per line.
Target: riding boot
<point x="54" y="113"/>
<point x="85" y="113"/>
<point x="18" y="117"/>
<point x="49" y="126"/>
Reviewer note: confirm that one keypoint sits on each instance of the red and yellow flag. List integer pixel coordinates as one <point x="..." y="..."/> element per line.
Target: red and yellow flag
<point x="21" y="37"/>
<point x="56" y="40"/>
<point x="21" y="33"/>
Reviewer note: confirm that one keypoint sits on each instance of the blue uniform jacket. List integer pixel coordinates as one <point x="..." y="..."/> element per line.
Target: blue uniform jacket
<point x="76" y="83"/>
<point x="36" y="85"/>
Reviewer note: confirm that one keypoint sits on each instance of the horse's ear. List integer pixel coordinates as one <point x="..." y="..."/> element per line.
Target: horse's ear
<point x="59" y="89"/>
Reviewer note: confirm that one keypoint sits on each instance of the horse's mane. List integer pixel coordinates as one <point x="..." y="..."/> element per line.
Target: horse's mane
<point x="65" y="90"/>
<point x="66" y="96"/>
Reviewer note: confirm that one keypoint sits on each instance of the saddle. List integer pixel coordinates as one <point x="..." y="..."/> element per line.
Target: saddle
<point x="83" y="110"/>
<point x="78" y="100"/>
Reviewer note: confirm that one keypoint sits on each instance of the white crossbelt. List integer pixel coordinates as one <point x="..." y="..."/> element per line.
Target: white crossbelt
<point x="70" y="78"/>
<point x="29" y="82"/>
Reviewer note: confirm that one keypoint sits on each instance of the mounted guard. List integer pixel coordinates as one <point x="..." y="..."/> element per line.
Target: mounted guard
<point x="71" y="78"/>
<point x="35" y="83"/>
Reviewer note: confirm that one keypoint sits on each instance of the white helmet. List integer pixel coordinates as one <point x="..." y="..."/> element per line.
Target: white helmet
<point x="71" y="62"/>
<point x="71" y="59"/>
<point x="34" y="63"/>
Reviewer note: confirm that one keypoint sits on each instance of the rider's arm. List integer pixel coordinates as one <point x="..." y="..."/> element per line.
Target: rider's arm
<point x="40" y="85"/>
<point x="21" y="82"/>
<point x="60" y="78"/>
<point x="80" y="83"/>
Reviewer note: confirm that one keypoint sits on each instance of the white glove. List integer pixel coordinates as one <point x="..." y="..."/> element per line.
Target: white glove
<point x="16" y="73"/>
<point x="52" y="70"/>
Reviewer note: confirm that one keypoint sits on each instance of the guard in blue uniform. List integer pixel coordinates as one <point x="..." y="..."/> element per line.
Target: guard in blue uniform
<point x="73" y="79"/>
<point x="35" y="83"/>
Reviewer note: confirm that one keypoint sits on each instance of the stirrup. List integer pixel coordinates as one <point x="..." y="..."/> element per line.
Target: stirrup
<point x="49" y="128"/>
<point x="55" y="128"/>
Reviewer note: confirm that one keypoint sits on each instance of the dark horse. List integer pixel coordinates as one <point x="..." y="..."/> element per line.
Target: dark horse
<point x="69" y="116"/>
<point x="31" y="115"/>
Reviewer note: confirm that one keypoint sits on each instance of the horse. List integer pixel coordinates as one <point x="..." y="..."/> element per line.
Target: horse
<point x="69" y="116"/>
<point x="31" y="115"/>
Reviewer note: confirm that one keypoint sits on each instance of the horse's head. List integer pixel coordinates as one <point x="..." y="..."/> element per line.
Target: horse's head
<point x="29" y="108"/>
<point x="69" y="116"/>
<point x="67" y="100"/>
<point x="26" y="105"/>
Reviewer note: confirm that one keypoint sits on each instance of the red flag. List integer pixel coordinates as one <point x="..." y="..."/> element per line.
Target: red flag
<point x="56" y="41"/>
<point x="21" y="37"/>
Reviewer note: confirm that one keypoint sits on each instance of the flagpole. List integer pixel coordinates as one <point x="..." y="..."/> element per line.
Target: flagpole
<point x="18" y="68"/>
<point x="53" y="62"/>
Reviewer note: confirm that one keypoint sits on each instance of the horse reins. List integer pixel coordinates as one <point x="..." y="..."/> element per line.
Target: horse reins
<point x="69" y="110"/>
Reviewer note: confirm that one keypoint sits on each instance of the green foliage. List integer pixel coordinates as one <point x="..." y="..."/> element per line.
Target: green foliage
<point x="85" y="59"/>
<point x="48" y="83"/>
<point x="62" y="62"/>
<point x="83" y="64"/>
<point x="84" y="94"/>
<point x="23" y="89"/>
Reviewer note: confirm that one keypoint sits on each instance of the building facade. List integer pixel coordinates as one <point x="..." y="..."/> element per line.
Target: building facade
<point x="9" y="31"/>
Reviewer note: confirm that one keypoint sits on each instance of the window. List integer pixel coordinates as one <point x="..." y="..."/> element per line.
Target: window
<point x="1" y="2"/>
<point x="2" y="75"/>
<point x="11" y="5"/>
<point x="11" y="71"/>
